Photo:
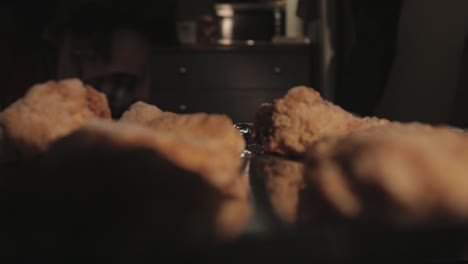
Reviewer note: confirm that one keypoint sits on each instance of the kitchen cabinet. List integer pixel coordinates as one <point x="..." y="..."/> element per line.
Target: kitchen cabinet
<point x="232" y="80"/>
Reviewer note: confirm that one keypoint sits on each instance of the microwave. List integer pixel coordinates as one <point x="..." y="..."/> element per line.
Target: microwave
<point x="249" y="21"/>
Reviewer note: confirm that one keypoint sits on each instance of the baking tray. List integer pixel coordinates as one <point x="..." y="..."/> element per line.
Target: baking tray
<point x="267" y="238"/>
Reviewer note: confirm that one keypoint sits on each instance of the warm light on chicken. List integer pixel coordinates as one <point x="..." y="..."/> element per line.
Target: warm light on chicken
<point x="292" y="123"/>
<point x="203" y="125"/>
<point x="47" y="112"/>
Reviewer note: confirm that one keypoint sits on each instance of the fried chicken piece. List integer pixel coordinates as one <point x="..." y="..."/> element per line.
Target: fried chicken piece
<point x="215" y="126"/>
<point x="283" y="180"/>
<point x="292" y="123"/>
<point x="401" y="174"/>
<point x="47" y="112"/>
<point x="190" y="184"/>
<point x="141" y="113"/>
<point x="206" y="157"/>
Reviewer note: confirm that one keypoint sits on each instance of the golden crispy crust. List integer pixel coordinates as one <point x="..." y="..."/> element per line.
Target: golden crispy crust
<point x="292" y="123"/>
<point x="213" y="126"/>
<point x="209" y="192"/>
<point x="47" y="112"/>
<point x="399" y="174"/>
<point x="97" y="103"/>
<point x="141" y="113"/>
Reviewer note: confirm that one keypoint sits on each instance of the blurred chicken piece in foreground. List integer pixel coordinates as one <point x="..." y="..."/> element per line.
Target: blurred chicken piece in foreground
<point x="401" y="174"/>
<point x="188" y="186"/>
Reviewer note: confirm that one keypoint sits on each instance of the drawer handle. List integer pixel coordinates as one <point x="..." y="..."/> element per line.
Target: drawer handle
<point x="182" y="107"/>
<point x="183" y="70"/>
<point x="277" y="70"/>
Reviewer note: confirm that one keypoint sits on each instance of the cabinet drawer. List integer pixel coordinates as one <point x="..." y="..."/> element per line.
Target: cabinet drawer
<point x="242" y="70"/>
<point x="231" y="82"/>
<point x="239" y="105"/>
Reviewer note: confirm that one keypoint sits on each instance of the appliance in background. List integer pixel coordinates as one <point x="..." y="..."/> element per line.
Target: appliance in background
<point x="294" y="27"/>
<point x="249" y="21"/>
<point x="243" y="22"/>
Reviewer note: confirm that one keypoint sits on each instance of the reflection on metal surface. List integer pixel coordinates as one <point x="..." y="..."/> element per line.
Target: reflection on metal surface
<point x="246" y="154"/>
<point x="246" y="130"/>
<point x="266" y="220"/>
<point x="282" y="180"/>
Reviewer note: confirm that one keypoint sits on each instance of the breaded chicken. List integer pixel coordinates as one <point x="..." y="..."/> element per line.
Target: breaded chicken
<point x="402" y="174"/>
<point x="47" y="112"/>
<point x="192" y="184"/>
<point x="207" y="157"/>
<point x="211" y="126"/>
<point x="292" y="123"/>
<point x="141" y="113"/>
